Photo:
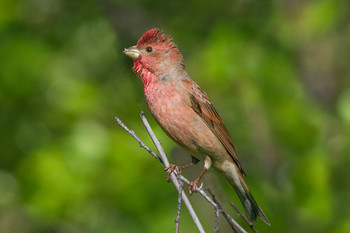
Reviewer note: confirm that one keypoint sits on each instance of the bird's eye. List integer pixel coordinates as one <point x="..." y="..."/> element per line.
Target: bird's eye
<point x="149" y="49"/>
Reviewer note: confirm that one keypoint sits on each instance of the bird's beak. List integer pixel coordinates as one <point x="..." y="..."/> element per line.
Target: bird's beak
<point x="132" y="52"/>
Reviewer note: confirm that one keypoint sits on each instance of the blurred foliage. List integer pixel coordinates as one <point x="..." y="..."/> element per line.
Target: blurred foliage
<point x="277" y="71"/>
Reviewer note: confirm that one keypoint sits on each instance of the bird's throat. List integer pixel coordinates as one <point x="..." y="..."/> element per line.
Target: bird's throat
<point x="145" y="74"/>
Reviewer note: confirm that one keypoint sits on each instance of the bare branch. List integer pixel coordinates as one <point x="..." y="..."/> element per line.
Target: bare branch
<point x="244" y="217"/>
<point x="132" y="133"/>
<point x="179" y="201"/>
<point x="234" y="225"/>
<point x="217" y="215"/>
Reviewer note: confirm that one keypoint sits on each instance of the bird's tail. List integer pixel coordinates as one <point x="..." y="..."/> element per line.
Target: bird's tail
<point x="250" y="206"/>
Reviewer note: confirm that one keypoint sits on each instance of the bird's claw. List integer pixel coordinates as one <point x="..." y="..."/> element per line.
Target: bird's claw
<point x="200" y="186"/>
<point x="192" y="186"/>
<point x="170" y="169"/>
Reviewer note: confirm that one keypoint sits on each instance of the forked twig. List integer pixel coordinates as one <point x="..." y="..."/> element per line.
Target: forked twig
<point x="234" y="225"/>
<point x="143" y="145"/>
<point x="244" y="217"/>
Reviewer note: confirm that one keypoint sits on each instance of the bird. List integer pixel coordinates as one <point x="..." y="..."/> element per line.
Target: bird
<point x="186" y="114"/>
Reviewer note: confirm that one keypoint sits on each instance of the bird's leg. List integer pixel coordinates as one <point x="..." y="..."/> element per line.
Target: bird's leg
<point x="191" y="188"/>
<point x="173" y="167"/>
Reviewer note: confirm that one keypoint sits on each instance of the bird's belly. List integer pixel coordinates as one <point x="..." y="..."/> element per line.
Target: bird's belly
<point x="180" y="122"/>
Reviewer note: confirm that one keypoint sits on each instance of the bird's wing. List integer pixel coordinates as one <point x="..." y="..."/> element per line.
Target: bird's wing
<point x="201" y="104"/>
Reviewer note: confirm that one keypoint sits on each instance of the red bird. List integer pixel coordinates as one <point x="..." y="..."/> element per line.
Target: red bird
<point x="186" y="114"/>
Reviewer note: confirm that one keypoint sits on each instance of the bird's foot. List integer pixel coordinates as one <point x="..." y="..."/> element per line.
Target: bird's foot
<point x="192" y="186"/>
<point x="171" y="169"/>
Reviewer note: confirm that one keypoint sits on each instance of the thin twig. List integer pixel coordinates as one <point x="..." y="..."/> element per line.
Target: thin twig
<point x="234" y="225"/>
<point x="132" y="133"/>
<point x="244" y="218"/>
<point x="217" y="215"/>
<point x="198" y="190"/>
<point x="177" y="219"/>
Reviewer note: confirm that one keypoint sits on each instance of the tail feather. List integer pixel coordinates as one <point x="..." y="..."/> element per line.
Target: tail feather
<point x="250" y="206"/>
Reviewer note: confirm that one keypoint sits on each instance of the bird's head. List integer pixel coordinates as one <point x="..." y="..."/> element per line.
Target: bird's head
<point x="156" y="53"/>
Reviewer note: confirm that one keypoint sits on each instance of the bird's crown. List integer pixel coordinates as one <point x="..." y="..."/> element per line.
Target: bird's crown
<point x="155" y="36"/>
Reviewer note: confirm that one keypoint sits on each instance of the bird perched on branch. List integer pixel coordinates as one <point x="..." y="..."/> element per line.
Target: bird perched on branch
<point x="186" y="114"/>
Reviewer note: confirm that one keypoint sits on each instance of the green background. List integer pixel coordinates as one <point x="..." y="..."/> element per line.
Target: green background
<point x="277" y="71"/>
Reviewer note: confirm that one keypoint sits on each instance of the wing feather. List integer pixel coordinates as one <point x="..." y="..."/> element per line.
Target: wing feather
<point x="205" y="109"/>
